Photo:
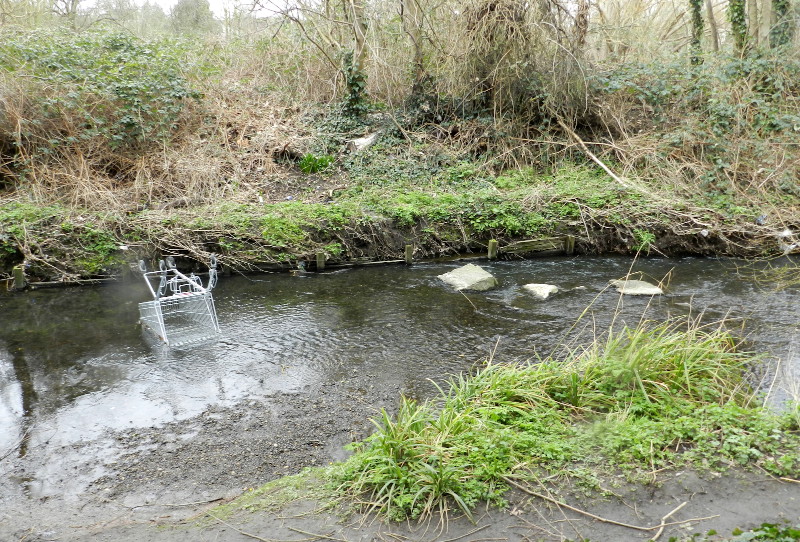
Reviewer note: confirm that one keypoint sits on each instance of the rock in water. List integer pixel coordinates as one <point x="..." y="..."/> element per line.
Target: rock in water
<point x="636" y="287"/>
<point x="470" y="277"/>
<point x="541" y="291"/>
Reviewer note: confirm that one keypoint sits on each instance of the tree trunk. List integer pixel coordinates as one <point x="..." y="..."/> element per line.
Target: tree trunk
<point x="738" y="17"/>
<point x="411" y="15"/>
<point x="696" y="15"/>
<point x="354" y="61"/>
<point x="767" y="21"/>
<point x="753" y="26"/>
<point x="582" y="24"/>
<point x="712" y="23"/>
<point x="359" y="22"/>
<point x="783" y="24"/>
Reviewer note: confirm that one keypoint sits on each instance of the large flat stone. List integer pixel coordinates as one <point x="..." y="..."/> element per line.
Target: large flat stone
<point x="470" y="277"/>
<point x="541" y="291"/>
<point x="636" y="287"/>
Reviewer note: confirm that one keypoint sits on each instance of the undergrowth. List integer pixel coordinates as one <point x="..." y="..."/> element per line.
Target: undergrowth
<point x="44" y="237"/>
<point x="721" y="130"/>
<point x="638" y="401"/>
<point x="194" y="159"/>
<point x="92" y="92"/>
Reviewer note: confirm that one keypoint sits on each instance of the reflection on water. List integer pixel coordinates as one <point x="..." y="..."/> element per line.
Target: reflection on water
<point x="74" y="363"/>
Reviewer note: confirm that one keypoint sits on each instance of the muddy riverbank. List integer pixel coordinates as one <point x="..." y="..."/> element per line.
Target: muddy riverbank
<point x="165" y="484"/>
<point x="88" y="487"/>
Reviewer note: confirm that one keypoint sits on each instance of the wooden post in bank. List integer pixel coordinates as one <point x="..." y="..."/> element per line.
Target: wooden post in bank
<point x="409" y="254"/>
<point x="493" y="245"/>
<point x="320" y="261"/>
<point x="569" y="245"/>
<point x="19" y="277"/>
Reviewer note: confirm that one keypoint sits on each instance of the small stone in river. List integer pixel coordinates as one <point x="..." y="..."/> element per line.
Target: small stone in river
<point x="541" y="291"/>
<point x="636" y="287"/>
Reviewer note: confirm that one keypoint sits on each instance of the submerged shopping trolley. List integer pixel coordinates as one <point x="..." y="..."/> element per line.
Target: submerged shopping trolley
<point x="182" y="310"/>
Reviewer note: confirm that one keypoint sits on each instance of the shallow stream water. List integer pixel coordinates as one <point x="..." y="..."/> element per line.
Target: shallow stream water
<point x="74" y="363"/>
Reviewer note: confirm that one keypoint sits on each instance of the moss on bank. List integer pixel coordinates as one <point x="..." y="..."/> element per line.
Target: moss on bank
<point x="455" y="211"/>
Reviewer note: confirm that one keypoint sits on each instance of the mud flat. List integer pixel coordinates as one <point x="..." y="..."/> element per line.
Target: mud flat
<point x="164" y="483"/>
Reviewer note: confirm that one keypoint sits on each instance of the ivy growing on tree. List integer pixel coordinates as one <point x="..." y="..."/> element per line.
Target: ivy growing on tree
<point x="738" y="16"/>
<point x="356" y="83"/>
<point x="695" y="7"/>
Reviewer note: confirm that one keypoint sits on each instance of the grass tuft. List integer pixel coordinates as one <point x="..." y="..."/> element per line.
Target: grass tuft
<point x="640" y="400"/>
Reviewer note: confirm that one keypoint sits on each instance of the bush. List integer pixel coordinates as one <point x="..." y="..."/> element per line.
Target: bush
<point x="724" y="125"/>
<point x="90" y="92"/>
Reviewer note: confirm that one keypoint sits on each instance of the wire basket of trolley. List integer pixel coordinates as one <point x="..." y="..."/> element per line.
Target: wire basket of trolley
<point x="182" y="310"/>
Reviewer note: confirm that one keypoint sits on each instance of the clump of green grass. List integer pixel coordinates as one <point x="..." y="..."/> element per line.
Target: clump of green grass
<point x="311" y="163"/>
<point x="642" y="399"/>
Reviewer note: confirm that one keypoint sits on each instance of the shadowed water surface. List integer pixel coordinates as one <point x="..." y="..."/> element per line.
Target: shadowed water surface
<point x="74" y="363"/>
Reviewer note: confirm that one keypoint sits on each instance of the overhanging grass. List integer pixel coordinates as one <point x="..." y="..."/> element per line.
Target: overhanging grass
<point x="640" y="400"/>
<point x="307" y="485"/>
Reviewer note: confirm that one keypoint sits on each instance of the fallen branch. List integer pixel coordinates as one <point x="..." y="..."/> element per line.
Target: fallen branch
<point x="660" y="526"/>
<point x="664" y="520"/>
<point x="591" y="155"/>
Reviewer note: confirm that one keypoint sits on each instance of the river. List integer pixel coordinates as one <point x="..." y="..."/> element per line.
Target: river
<point x="74" y="363"/>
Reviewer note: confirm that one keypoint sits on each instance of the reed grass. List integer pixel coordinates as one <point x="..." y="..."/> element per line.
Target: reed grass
<point x="637" y="401"/>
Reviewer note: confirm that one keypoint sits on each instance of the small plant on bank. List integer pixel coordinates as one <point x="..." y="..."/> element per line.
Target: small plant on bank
<point x="768" y="532"/>
<point x="644" y="240"/>
<point x="311" y="163"/>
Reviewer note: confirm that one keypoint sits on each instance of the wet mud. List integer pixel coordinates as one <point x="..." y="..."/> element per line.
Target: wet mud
<point x="163" y="484"/>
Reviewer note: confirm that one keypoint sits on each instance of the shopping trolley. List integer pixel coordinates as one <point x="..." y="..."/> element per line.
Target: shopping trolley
<point x="182" y="310"/>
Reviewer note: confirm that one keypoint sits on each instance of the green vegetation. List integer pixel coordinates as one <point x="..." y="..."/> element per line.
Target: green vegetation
<point x="87" y="241"/>
<point x="94" y="87"/>
<point x="732" y="115"/>
<point x="639" y="400"/>
<point x="489" y="124"/>
<point x="314" y="164"/>
<point x="275" y="495"/>
<point x="767" y="532"/>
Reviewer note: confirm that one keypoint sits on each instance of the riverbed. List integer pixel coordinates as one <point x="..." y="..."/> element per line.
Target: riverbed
<point x="93" y="409"/>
